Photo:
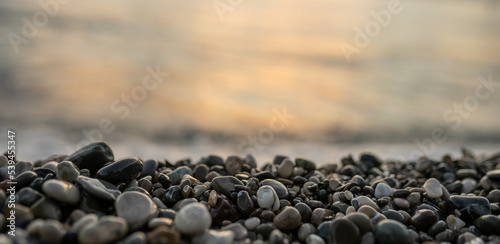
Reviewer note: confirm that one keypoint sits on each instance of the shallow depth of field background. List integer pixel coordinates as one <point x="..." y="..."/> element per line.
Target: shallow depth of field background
<point x="226" y="77"/>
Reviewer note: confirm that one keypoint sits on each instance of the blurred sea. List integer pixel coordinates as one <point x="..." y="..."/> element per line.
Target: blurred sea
<point x="227" y="78"/>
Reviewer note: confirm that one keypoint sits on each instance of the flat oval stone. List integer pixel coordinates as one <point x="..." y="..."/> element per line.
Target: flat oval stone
<point x="62" y="191"/>
<point x="136" y="208"/>
<point x="267" y="198"/>
<point x="92" y="156"/>
<point x="193" y="219"/>
<point x="392" y="232"/>
<point x="225" y="184"/>
<point x="25" y="179"/>
<point x="343" y="231"/>
<point x="278" y="187"/>
<point x="122" y="170"/>
<point x="433" y="188"/>
<point x="493" y="174"/>
<point x="96" y="188"/>
<point x="382" y="190"/>
<point x="357" y="202"/>
<point x="176" y="175"/>
<point x="470" y="207"/>
<point x="288" y="219"/>
<point x="107" y="229"/>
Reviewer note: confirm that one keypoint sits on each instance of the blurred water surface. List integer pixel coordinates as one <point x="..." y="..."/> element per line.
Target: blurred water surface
<point x="226" y="77"/>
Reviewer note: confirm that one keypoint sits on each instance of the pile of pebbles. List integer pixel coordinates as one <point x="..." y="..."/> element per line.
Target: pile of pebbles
<point x="89" y="197"/>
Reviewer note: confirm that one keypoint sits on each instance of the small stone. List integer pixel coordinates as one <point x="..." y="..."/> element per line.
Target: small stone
<point x="173" y="195"/>
<point x="182" y="203"/>
<point x="122" y="170"/>
<point x="149" y="168"/>
<point x="278" y="187"/>
<point x="107" y="229"/>
<point x="50" y="165"/>
<point x="137" y="237"/>
<point x="244" y="203"/>
<point x="288" y="219"/>
<point x="199" y="190"/>
<point x="305" y="230"/>
<point x="314" y="239"/>
<point x="285" y="169"/>
<point x="25" y="179"/>
<point x="382" y="190"/>
<point x="357" y="202"/>
<point x="305" y="164"/>
<point x="92" y="156"/>
<point x="267" y="198"/>
<point x="27" y="196"/>
<point x="225" y="184"/>
<point x="200" y="172"/>
<point x="423" y="219"/>
<point x="193" y="219"/>
<point x="136" y="208"/>
<point x="215" y="237"/>
<point x="67" y="171"/>
<point x="392" y="232"/>
<point x="493" y="175"/>
<point x="446" y="236"/>
<point x="153" y="223"/>
<point x="305" y="211"/>
<point x="468" y="185"/>
<point x="96" y="188"/>
<point x="433" y="188"/>
<point x="61" y="191"/>
<point x="46" y="209"/>
<point x="240" y="232"/>
<point x="252" y="223"/>
<point x="212" y="199"/>
<point x="234" y="164"/>
<point x="22" y="167"/>
<point x="176" y="175"/>
<point x="344" y="231"/>
<point x="52" y="231"/>
<point x="470" y="207"/>
<point x="437" y="228"/>
<point x="414" y="199"/>
<point x="488" y="224"/>
<point x="163" y="234"/>
<point x="394" y="215"/>
<point x="401" y="203"/>
<point x="454" y="222"/>
<point x="84" y="221"/>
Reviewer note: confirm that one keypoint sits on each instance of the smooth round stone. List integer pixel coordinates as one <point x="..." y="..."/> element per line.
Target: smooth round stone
<point x="344" y="231"/>
<point x="25" y="179"/>
<point x="52" y="231"/>
<point x="84" y="221"/>
<point x="288" y="219"/>
<point x="401" y="203"/>
<point x="24" y="216"/>
<point x="61" y="191"/>
<point x="215" y="237"/>
<point x="278" y="187"/>
<point x="305" y="230"/>
<point x="437" y="228"/>
<point x="494" y="196"/>
<point x="240" y="232"/>
<point x="360" y="201"/>
<point x="470" y="207"/>
<point x="67" y="171"/>
<point x="122" y="170"/>
<point x="433" y="188"/>
<point x="199" y="190"/>
<point x="107" y="229"/>
<point x="200" y="172"/>
<point x="96" y="188"/>
<point x="252" y="223"/>
<point x="382" y="190"/>
<point x="305" y="164"/>
<point x="414" y="199"/>
<point x="319" y="214"/>
<point x="285" y="169"/>
<point x="234" y="164"/>
<point x="137" y="237"/>
<point x="153" y="223"/>
<point x="212" y="198"/>
<point x="173" y="195"/>
<point x="394" y="215"/>
<point x="392" y="232"/>
<point x="136" y="208"/>
<point x="4" y="161"/>
<point x="46" y="209"/>
<point x="314" y="239"/>
<point x="454" y="222"/>
<point x="423" y="219"/>
<point x="149" y="168"/>
<point x="34" y="227"/>
<point x="466" y="173"/>
<point x="22" y="167"/>
<point x="193" y="219"/>
<point x="225" y="184"/>
<point x="50" y="165"/>
<point x="183" y="203"/>
<point x="244" y="203"/>
<point x="267" y="198"/>
<point x="176" y="175"/>
<point x="92" y="156"/>
<point x="468" y="185"/>
<point x="488" y="224"/>
<point x="445" y="236"/>
<point x="493" y="175"/>
<point x="163" y="234"/>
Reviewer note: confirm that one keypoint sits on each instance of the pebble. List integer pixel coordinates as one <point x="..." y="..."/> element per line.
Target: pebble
<point x="92" y="156"/>
<point x="51" y="231"/>
<point x="193" y="219"/>
<point x="120" y="171"/>
<point x="67" y="171"/>
<point x="252" y="223"/>
<point x="305" y="230"/>
<point x="107" y="229"/>
<point x="401" y="203"/>
<point x="61" y="191"/>
<point x="126" y="206"/>
<point x="225" y="184"/>
<point x="137" y="237"/>
<point x="362" y="221"/>
<point x="423" y="219"/>
<point x="288" y="219"/>
<point x="244" y="202"/>
<point x="215" y="237"/>
<point x="493" y="175"/>
<point x="46" y="209"/>
<point x="470" y="207"/>
<point x="314" y="239"/>
<point x="305" y="164"/>
<point x="234" y="164"/>
<point x="392" y="232"/>
<point x="343" y="230"/>
<point x="454" y="222"/>
<point x="149" y="168"/>
<point x="382" y="190"/>
<point x="176" y="175"/>
<point x="468" y="185"/>
<point x="96" y="188"/>
<point x="488" y="224"/>
<point x="84" y="221"/>
<point x="357" y="202"/>
<point x="433" y="188"/>
<point x="239" y="231"/>
<point x="285" y="169"/>
<point x="267" y="198"/>
<point x="278" y="187"/>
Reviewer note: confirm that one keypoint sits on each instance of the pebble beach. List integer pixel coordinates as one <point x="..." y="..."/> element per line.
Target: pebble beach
<point x="92" y="197"/>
